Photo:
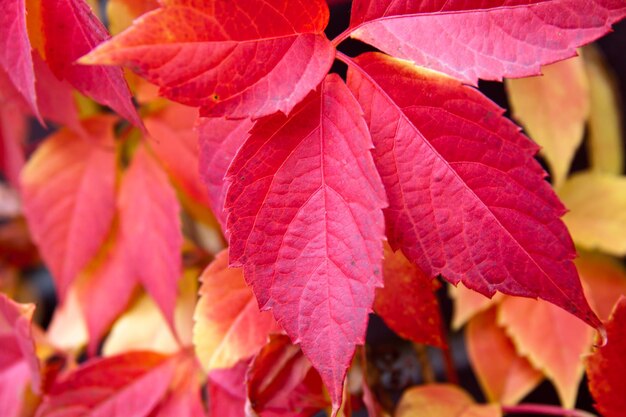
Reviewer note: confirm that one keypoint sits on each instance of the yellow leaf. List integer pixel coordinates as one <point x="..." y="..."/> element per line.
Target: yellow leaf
<point x="606" y="150"/>
<point x="442" y="400"/>
<point x="597" y="217"/>
<point x="553" y="109"/>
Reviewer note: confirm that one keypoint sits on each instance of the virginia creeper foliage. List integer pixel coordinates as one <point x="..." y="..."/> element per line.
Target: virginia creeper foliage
<point x="309" y="200"/>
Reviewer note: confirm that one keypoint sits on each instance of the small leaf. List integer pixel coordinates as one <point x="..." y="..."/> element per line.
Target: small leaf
<point x="305" y="222"/>
<point x="121" y="386"/>
<point x="15" y="55"/>
<point x="606" y="148"/>
<point x="282" y="382"/>
<point x="553" y="340"/>
<point x="553" y="109"/>
<point x="504" y="375"/>
<point x="237" y="59"/>
<point x="476" y="207"/>
<point x="442" y="400"/>
<point x="607" y="366"/>
<point x="407" y="302"/>
<point x="488" y="40"/>
<point x="228" y="324"/>
<point x="219" y="141"/>
<point x="69" y="197"/>
<point x="71" y="30"/>
<point x="597" y="216"/>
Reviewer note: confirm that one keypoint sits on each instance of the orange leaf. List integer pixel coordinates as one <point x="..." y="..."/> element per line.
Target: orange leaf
<point x="121" y="13"/>
<point x="606" y="368"/>
<point x="407" y="302"/>
<point x="468" y="303"/>
<point x="504" y="376"/>
<point x="228" y="324"/>
<point x="552" y="339"/>
<point x="69" y="197"/>
<point x="442" y="400"/>
<point x="605" y="280"/>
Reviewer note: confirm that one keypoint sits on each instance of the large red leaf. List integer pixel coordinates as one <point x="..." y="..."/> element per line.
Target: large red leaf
<point x="281" y="382"/>
<point x="483" y="38"/>
<point x="244" y="58"/>
<point x="71" y="30"/>
<point x="407" y="303"/>
<point x="15" y="54"/>
<point x="69" y="197"/>
<point x="150" y="230"/>
<point x="475" y="206"/>
<point x="219" y="141"/>
<point x="607" y="366"/>
<point x="305" y="222"/>
<point x="228" y="324"/>
<point x="126" y="385"/>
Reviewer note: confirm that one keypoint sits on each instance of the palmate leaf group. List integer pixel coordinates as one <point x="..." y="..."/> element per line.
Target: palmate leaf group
<point x="308" y="174"/>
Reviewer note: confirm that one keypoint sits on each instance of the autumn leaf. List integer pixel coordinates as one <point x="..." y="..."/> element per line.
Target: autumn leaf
<point x="607" y="366"/>
<point x="605" y="279"/>
<point x="606" y="149"/>
<point x="468" y="303"/>
<point x="126" y="385"/>
<point x="597" y="216"/>
<point x="505" y="376"/>
<point x="227" y="391"/>
<point x="69" y="197"/>
<point x="13" y="131"/>
<point x="552" y="340"/>
<point x="442" y="400"/>
<point x="15" y="55"/>
<point x="281" y="381"/>
<point x="457" y="212"/>
<point x="487" y="40"/>
<point x="305" y="223"/>
<point x="553" y="108"/>
<point x="121" y="13"/>
<point x="237" y="59"/>
<point x="70" y="30"/>
<point x="228" y="324"/>
<point x="219" y="141"/>
<point x="407" y="302"/>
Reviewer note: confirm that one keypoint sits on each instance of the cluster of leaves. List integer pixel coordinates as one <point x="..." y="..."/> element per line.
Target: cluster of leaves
<point x="238" y="127"/>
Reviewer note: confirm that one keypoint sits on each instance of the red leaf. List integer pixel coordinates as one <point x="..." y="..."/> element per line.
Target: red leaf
<point x="476" y="207"/>
<point x="15" y="55"/>
<point x="607" y="366"/>
<point x="71" y="30"/>
<point x="244" y="58"/>
<point x="407" y="302"/>
<point x="126" y="385"/>
<point x="13" y="131"/>
<point x="305" y="222"/>
<point x="150" y="230"/>
<point x="227" y="391"/>
<point x="69" y="197"/>
<point x="281" y="382"/>
<point x="219" y="141"/>
<point x="482" y="39"/>
<point x="228" y="324"/>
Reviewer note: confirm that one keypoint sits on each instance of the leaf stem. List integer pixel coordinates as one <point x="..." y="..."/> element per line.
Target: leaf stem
<point x="546" y="410"/>
<point x="342" y="37"/>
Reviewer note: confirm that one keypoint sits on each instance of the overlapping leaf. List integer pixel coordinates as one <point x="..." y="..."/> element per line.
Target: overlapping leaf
<point x="69" y="197"/>
<point x="407" y="302"/>
<point x="457" y="212"/>
<point x="228" y="324"/>
<point x="442" y="400"/>
<point x="71" y="30"/>
<point x="483" y="39"/>
<point x="273" y="51"/>
<point x="305" y="223"/>
<point x="607" y="366"/>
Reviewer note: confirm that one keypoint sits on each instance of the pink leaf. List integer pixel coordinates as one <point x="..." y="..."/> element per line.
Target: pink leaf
<point x="305" y="222"/>
<point x="467" y="199"/>
<point x="71" y="30"/>
<point x="483" y="39"/>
